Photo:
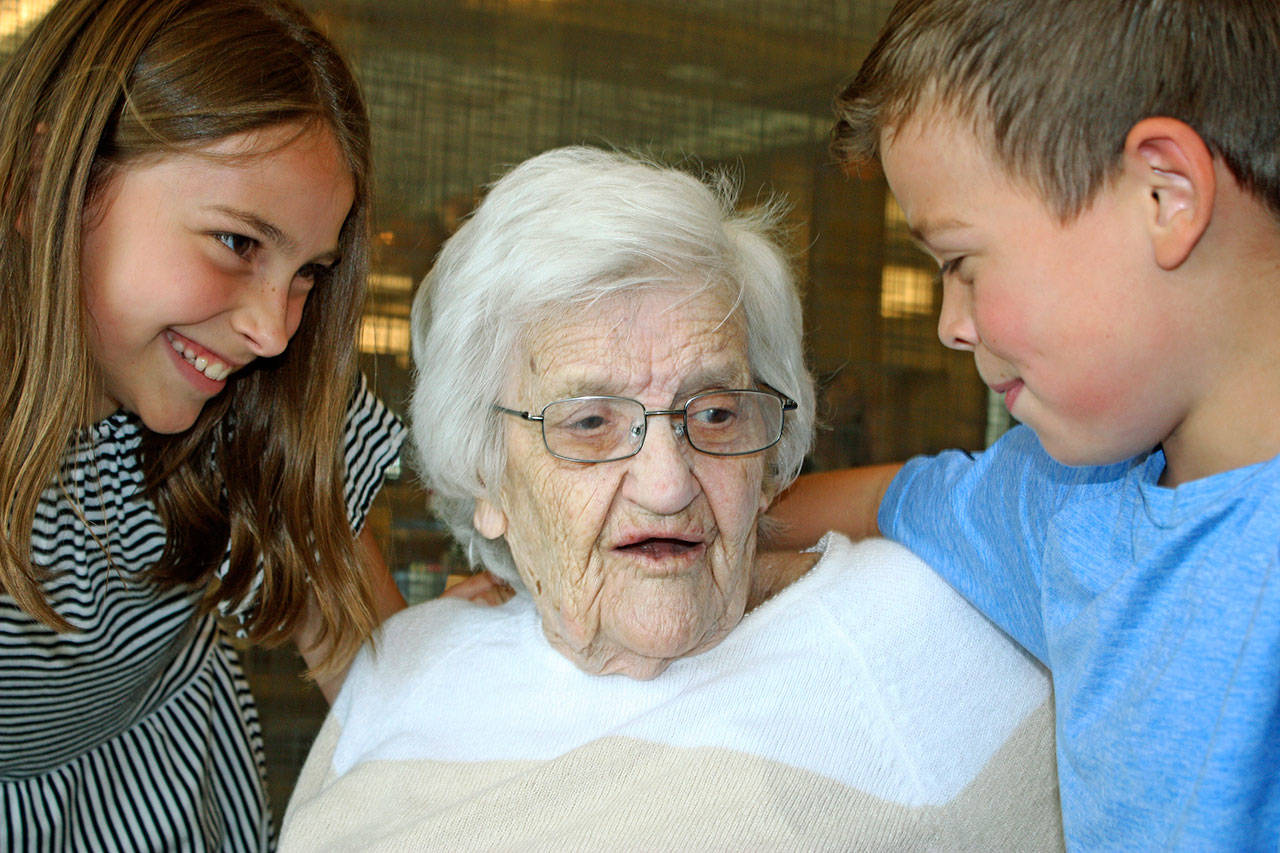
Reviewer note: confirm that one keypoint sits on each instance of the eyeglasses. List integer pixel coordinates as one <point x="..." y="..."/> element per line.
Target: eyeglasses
<point x="606" y="429"/>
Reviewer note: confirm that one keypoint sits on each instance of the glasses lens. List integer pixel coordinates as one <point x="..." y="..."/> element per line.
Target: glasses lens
<point x="731" y="423"/>
<point x="593" y="429"/>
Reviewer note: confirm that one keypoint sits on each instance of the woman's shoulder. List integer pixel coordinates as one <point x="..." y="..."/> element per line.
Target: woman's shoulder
<point x="909" y="632"/>
<point x="882" y="593"/>
<point x="432" y="670"/>
<point x="953" y="686"/>
<point x="421" y="645"/>
<point x="871" y="574"/>
<point x="430" y="629"/>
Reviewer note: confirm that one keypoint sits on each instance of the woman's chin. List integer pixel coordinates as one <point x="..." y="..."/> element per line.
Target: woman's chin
<point x="640" y="632"/>
<point x="639" y="668"/>
<point x="643" y="655"/>
<point x="635" y="653"/>
<point x="638" y="664"/>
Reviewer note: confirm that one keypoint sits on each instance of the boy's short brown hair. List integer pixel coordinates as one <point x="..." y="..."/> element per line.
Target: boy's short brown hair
<point x="1053" y="86"/>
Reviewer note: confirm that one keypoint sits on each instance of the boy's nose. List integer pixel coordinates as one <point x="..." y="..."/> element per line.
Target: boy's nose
<point x="265" y="318"/>
<point x="660" y="477"/>
<point x="955" y="322"/>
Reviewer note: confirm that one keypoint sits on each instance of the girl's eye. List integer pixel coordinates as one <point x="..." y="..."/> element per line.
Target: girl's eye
<point x="316" y="273"/>
<point x="237" y="243"/>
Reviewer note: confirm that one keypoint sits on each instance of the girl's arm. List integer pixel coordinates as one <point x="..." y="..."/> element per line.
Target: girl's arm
<point x="846" y="501"/>
<point x="483" y="587"/>
<point x="386" y="598"/>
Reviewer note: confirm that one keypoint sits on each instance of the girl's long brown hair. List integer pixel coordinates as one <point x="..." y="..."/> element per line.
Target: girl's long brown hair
<point x="97" y="85"/>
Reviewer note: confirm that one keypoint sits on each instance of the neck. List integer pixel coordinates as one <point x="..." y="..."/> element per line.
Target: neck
<point x="776" y="570"/>
<point x="1230" y="418"/>
<point x="1230" y="437"/>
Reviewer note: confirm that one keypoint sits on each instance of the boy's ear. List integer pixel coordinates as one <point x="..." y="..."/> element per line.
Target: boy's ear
<point x="489" y="519"/>
<point x="1175" y="171"/>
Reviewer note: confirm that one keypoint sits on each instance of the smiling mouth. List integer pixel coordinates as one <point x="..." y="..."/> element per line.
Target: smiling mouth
<point x="208" y="364"/>
<point x="1009" y="391"/>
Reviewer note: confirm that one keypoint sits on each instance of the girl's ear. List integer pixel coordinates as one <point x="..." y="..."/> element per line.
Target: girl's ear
<point x="1175" y="172"/>
<point x="489" y="519"/>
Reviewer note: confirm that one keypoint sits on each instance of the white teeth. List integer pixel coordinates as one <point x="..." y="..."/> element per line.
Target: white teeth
<point x="214" y="370"/>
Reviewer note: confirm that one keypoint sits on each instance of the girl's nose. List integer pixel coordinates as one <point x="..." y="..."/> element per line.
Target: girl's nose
<point x="955" y="322"/>
<point x="266" y="318"/>
<point x="660" y="477"/>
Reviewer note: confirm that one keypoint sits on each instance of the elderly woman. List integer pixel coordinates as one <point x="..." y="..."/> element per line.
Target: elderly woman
<point x="610" y="390"/>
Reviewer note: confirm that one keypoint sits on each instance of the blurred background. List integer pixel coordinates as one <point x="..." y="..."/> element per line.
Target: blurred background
<point x="461" y="90"/>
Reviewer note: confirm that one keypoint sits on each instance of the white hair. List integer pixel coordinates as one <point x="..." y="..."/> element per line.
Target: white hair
<point x="562" y="230"/>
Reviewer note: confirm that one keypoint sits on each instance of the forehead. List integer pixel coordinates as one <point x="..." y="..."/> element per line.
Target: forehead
<point x="944" y="176"/>
<point x="662" y="340"/>
<point x="934" y="137"/>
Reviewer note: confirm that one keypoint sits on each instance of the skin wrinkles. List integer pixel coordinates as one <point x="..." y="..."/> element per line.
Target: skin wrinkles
<point x="606" y="607"/>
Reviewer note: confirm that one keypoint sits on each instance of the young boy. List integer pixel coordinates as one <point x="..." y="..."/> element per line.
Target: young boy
<point x="1099" y="181"/>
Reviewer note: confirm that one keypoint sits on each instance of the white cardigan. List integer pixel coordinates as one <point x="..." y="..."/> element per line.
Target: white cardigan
<point x="867" y="706"/>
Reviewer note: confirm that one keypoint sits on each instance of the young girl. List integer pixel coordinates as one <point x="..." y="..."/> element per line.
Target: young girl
<point x="186" y="441"/>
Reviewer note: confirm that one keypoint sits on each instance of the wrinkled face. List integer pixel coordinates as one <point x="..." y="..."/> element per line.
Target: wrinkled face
<point x="636" y="562"/>
<point x="195" y="266"/>
<point x="1065" y="321"/>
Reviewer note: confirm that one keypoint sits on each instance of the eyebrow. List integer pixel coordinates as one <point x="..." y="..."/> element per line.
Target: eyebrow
<point x="723" y="377"/>
<point x="274" y="235"/>
<point x="592" y="386"/>
<point x="922" y="231"/>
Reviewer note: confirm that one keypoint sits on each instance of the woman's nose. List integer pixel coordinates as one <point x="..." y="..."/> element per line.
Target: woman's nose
<point x="266" y="317"/>
<point x="955" y="322"/>
<point x="660" y="477"/>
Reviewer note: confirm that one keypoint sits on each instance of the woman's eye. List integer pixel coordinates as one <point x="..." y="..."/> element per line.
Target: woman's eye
<point x="717" y="416"/>
<point x="588" y="423"/>
<point x="237" y="243"/>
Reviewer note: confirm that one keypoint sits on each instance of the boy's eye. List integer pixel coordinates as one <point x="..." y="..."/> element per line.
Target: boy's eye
<point x="951" y="267"/>
<point x="237" y="243"/>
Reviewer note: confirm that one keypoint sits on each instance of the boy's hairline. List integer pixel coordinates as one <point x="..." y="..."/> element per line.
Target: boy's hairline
<point x="897" y="113"/>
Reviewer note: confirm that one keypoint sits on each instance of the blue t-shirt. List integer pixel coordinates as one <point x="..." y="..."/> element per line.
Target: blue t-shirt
<point x="1157" y="611"/>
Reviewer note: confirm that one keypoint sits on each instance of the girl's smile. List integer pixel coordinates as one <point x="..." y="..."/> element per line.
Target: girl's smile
<point x="198" y="263"/>
<point x="209" y="365"/>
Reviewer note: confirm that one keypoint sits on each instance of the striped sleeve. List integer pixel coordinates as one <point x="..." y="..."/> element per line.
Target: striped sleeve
<point x="373" y="438"/>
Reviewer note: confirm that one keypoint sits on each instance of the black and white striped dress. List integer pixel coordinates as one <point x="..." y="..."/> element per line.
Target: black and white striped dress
<point x="137" y="731"/>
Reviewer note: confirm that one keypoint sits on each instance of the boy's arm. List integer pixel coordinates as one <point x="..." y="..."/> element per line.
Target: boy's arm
<point x="846" y="501"/>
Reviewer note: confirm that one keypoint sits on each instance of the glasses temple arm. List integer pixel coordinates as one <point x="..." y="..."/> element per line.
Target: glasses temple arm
<point x="528" y="416"/>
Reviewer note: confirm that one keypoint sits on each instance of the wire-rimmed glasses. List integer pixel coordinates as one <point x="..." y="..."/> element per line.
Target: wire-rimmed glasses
<point x="733" y="422"/>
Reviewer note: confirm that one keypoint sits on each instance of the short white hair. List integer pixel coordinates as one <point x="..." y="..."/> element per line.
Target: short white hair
<point x="562" y="230"/>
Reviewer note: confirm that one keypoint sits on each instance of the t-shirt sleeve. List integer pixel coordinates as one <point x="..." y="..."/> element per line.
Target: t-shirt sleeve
<point x="980" y="520"/>
<point x="373" y="436"/>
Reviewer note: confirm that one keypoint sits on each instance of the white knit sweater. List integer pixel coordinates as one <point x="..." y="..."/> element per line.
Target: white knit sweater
<point x="867" y="706"/>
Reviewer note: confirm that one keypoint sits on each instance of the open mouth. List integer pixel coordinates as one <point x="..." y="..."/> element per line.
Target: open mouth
<point x="659" y="547"/>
